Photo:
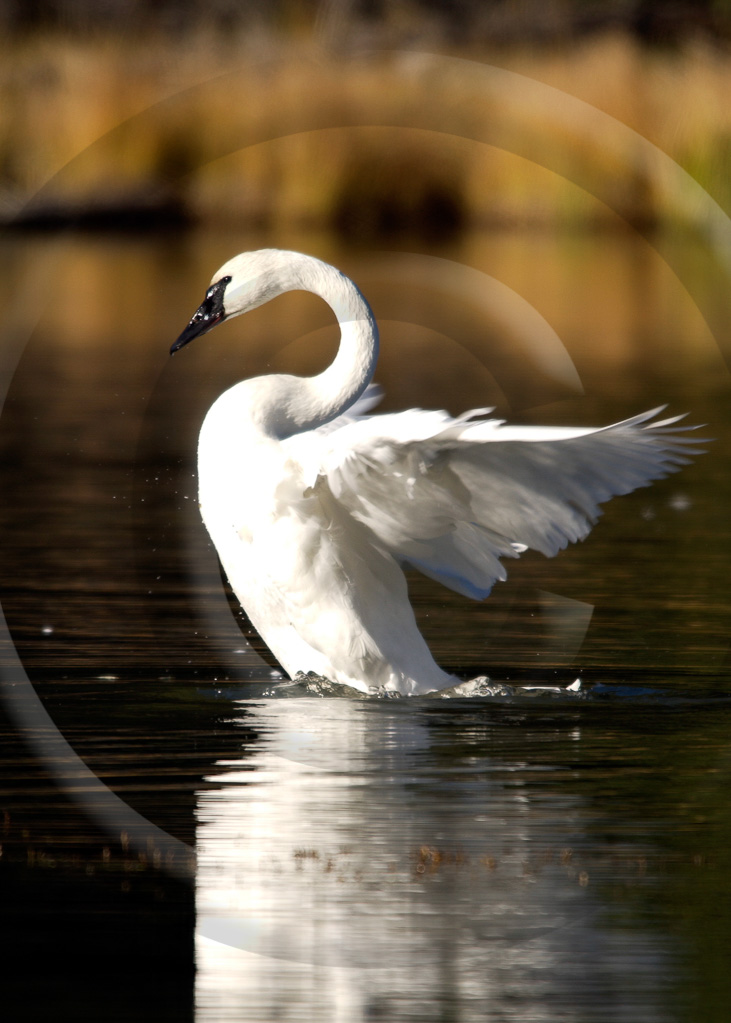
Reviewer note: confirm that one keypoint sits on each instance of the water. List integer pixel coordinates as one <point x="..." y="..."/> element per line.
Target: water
<point x="462" y="862"/>
<point x="493" y="858"/>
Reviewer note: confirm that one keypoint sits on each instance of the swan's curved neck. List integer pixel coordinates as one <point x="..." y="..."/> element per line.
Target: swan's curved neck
<point x="306" y="403"/>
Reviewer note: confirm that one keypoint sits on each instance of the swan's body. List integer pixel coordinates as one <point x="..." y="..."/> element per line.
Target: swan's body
<point x="313" y="507"/>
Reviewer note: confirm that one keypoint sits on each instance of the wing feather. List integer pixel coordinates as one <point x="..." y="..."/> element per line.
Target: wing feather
<point x="452" y="496"/>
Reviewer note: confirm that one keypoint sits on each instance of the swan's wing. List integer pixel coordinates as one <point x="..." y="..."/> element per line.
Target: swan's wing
<point x="453" y="496"/>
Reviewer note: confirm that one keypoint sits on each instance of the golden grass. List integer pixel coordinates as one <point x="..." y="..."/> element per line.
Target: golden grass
<point x="366" y="144"/>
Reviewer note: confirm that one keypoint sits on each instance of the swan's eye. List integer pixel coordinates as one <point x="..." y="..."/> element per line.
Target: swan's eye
<point x="215" y="292"/>
<point x="212" y="306"/>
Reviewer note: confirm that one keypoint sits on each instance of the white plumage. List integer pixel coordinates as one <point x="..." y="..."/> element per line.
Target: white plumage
<point x="313" y="505"/>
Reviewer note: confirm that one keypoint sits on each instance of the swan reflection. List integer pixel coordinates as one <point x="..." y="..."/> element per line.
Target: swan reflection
<point x="367" y="861"/>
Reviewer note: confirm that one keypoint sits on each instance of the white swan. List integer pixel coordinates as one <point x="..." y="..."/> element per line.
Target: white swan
<point x="313" y="506"/>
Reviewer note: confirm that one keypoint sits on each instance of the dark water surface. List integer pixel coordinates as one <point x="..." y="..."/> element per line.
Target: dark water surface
<point x="454" y="860"/>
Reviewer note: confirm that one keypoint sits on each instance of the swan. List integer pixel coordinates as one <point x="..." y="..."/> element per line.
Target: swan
<point x="315" y="506"/>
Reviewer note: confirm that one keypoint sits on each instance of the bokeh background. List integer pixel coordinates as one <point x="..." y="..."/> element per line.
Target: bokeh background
<point x="208" y="76"/>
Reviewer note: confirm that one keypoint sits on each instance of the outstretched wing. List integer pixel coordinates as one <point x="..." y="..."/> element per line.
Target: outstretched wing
<point x="453" y="496"/>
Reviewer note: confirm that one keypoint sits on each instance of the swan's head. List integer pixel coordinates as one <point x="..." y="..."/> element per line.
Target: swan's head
<point x="243" y="283"/>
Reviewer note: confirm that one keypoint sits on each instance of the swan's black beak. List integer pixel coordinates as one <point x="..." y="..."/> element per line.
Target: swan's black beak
<point x="206" y="316"/>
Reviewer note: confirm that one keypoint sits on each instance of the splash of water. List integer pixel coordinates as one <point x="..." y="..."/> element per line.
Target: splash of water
<point x="311" y="684"/>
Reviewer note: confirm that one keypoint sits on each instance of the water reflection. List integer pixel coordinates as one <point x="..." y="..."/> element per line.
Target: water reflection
<point x="365" y="861"/>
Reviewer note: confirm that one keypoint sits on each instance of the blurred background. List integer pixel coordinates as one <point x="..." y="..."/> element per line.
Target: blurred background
<point x="212" y="78"/>
<point x="534" y="196"/>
